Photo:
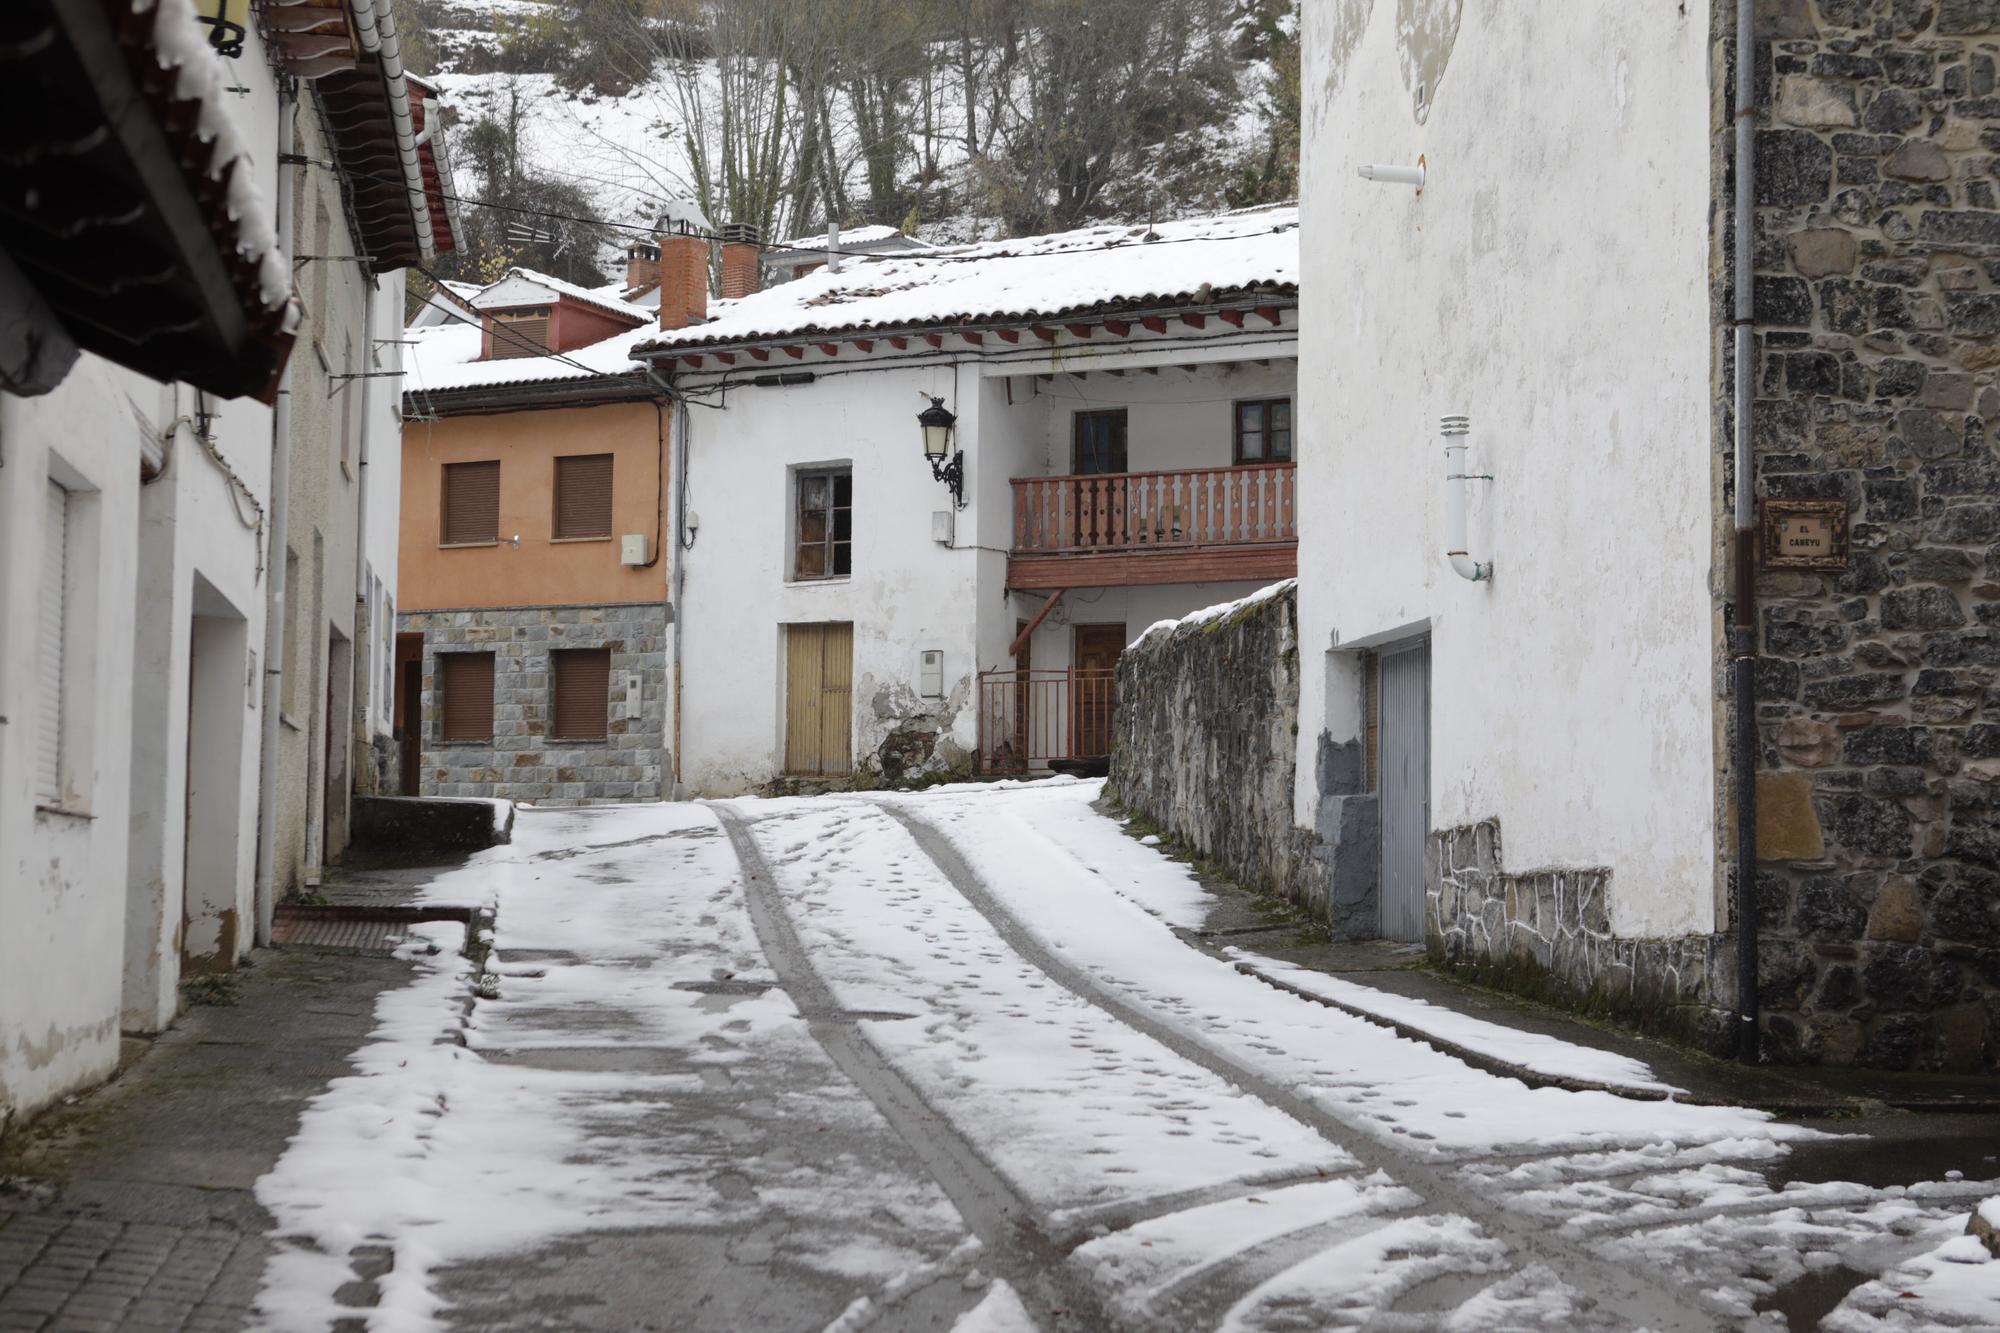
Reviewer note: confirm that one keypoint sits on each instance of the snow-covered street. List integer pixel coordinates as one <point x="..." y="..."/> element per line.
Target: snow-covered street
<point x="941" y="1060"/>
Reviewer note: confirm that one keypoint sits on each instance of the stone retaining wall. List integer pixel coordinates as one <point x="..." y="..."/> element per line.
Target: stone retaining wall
<point x="521" y="763"/>
<point x="1203" y="741"/>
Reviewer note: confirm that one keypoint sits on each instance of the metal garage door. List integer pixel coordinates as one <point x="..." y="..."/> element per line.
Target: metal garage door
<point x="1405" y="739"/>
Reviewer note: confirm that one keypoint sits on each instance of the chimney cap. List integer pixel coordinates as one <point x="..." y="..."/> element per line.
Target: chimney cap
<point x="741" y="233"/>
<point x="682" y="216"/>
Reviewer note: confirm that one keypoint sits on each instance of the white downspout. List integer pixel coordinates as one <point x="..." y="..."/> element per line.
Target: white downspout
<point x="275" y="610"/>
<point x="375" y="25"/>
<point x="1455" y="429"/>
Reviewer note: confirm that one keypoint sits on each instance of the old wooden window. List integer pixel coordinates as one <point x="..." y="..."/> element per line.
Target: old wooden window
<point x="581" y="688"/>
<point x="825" y="546"/>
<point x="1264" y="431"/>
<point x="466" y="680"/>
<point x="523" y="332"/>
<point x="1097" y="442"/>
<point x="819" y="699"/>
<point x="471" y="503"/>
<point x="583" y="496"/>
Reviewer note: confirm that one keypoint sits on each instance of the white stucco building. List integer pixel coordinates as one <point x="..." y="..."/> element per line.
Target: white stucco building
<point x="1565" y="702"/>
<point x="1120" y="408"/>
<point x="138" y="505"/>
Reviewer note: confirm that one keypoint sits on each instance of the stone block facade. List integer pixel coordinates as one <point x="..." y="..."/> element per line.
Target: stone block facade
<point x="1203" y="740"/>
<point x="1547" y="933"/>
<point x="1878" y="305"/>
<point x="522" y="762"/>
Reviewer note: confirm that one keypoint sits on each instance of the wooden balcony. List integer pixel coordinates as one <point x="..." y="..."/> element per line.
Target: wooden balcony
<point x="1122" y="529"/>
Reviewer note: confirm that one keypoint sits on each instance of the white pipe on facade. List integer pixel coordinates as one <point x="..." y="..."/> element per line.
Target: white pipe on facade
<point x="1455" y="429"/>
<point x="375" y="25"/>
<point x="274" y="602"/>
<point x="1391" y="174"/>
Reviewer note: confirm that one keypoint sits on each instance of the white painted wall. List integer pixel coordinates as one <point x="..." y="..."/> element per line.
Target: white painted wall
<point x="62" y="875"/>
<point x="1181" y="417"/>
<point x="383" y="452"/>
<point x="906" y="593"/>
<point x="1551" y="281"/>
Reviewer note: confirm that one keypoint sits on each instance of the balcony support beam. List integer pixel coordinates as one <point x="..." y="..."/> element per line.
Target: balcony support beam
<point x="1014" y="648"/>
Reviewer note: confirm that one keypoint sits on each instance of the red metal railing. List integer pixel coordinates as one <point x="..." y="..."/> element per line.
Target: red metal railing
<point x="1122" y="511"/>
<point x="1029" y="718"/>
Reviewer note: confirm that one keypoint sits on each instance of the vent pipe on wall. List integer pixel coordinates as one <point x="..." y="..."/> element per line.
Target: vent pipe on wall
<point x="1455" y="429"/>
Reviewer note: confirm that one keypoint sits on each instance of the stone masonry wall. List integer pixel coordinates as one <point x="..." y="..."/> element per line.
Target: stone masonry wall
<point x="1203" y="740"/>
<point x="1547" y="933"/>
<point x="1878" y="304"/>
<point x="521" y="763"/>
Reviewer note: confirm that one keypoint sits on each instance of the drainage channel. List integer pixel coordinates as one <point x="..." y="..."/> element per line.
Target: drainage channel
<point x="1628" y="1296"/>
<point x="1016" y="1247"/>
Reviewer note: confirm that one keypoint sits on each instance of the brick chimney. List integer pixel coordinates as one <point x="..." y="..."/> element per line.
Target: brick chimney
<point x="742" y="260"/>
<point x="683" y="277"/>
<point x="642" y="268"/>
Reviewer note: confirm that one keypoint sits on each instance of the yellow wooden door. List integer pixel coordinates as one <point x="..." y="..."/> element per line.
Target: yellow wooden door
<point x="819" y="699"/>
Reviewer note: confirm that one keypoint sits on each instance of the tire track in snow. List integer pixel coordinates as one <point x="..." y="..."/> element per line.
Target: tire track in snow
<point x="1632" y="1297"/>
<point x="1015" y="1246"/>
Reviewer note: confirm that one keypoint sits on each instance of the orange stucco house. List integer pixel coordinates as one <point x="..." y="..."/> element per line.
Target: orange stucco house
<point x="531" y="649"/>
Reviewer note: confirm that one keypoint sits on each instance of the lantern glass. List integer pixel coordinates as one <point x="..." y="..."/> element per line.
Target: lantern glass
<point x="937" y="422"/>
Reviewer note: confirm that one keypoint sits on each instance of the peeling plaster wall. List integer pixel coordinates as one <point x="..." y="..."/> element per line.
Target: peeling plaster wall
<point x="1571" y="696"/>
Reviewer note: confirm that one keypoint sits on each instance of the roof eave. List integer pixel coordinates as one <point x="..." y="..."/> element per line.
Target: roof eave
<point x="986" y="323"/>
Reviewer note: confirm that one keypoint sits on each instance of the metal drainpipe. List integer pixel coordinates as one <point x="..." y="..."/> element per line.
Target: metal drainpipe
<point x="274" y="613"/>
<point x="1743" y="623"/>
<point x="677" y="572"/>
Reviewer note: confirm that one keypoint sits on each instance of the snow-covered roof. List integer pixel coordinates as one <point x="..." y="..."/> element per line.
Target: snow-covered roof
<point x="446" y="357"/>
<point x="508" y="291"/>
<point x="181" y="44"/>
<point x="1037" y="277"/>
<point x="854" y="239"/>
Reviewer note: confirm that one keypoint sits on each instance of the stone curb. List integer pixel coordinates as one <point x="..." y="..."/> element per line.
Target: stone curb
<point x="1479" y="1059"/>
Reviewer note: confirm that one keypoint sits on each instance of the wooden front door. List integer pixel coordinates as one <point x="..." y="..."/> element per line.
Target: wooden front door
<point x="1092" y="697"/>
<point x="819" y="700"/>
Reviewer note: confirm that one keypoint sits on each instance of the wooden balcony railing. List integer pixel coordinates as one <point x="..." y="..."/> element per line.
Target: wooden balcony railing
<point x="1134" y="511"/>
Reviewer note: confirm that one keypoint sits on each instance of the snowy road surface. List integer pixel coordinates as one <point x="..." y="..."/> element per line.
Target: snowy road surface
<point x="940" y="1062"/>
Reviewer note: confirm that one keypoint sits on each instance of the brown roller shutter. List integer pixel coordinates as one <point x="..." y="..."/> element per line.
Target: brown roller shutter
<point x="471" y="503"/>
<point x="582" y="690"/>
<point x="468" y="696"/>
<point x="521" y="333"/>
<point x="583" y="496"/>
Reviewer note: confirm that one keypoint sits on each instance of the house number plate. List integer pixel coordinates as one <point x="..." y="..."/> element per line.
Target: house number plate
<point x="1805" y="534"/>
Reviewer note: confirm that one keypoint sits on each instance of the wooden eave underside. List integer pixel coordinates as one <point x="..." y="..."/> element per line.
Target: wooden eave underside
<point x="1256" y="310"/>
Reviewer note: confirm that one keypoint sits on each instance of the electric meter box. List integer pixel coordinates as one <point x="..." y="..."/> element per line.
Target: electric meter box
<point x="930" y="673"/>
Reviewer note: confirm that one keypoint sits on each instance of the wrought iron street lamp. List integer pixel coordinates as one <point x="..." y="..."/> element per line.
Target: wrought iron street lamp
<point x="937" y="422"/>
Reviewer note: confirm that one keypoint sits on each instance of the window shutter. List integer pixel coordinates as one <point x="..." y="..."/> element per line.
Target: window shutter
<point x="583" y="495"/>
<point x="582" y="689"/>
<point x="471" y="503"/>
<point x="468" y="696"/>
<point x="49" y="694"/>
<point x="520" y="334"/>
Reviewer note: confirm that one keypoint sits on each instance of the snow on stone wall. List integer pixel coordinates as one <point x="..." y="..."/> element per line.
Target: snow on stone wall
<point x="1202" y="741"/>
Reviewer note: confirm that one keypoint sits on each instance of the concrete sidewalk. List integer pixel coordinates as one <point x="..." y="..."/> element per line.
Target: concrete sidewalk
<point x="131" y="1207"/>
